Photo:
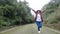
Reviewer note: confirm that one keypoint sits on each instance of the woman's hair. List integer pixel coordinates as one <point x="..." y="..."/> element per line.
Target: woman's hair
<point x="39" y="11"/>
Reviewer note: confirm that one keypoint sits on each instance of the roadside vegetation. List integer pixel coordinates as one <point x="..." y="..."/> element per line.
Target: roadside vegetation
<point x="13" y="13"/>
<point x="52" y="14"/>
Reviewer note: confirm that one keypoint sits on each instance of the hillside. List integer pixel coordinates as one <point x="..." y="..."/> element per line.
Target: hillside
<point x="52" y="14"/>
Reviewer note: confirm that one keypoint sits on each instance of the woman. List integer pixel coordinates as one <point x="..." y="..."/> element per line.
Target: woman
<point x="38" y="18"/>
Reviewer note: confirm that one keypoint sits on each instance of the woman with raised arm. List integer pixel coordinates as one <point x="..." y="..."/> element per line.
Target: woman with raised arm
<point x="38" y="18"/>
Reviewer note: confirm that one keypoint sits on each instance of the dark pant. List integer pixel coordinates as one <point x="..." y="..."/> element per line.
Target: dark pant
<point x="39" y="24"/>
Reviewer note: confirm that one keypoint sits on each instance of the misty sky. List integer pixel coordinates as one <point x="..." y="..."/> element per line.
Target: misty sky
<point x="36" y="4"/>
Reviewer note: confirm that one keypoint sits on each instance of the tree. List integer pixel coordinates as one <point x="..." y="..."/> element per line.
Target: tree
<point x="14" y="13"/>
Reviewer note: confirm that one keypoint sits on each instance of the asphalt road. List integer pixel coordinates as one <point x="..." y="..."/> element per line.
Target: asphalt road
<point x="29" y="29"/>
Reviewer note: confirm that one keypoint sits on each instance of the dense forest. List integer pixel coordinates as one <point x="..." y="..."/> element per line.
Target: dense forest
<point x="18" y="13"/>
<point x="52" y="14"/>
<point x="14" y="13"/>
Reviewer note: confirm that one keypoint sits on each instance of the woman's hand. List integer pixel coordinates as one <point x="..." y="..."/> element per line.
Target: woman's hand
<point x="43" y="9"/>
<point x="33" y="10"/>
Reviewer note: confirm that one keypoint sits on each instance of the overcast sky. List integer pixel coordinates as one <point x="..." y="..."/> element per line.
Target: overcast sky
<point x="37" y="4"/>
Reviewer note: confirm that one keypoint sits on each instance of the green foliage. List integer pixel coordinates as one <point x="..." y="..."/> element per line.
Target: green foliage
<point x="52" y="14"/>
<point x="14" y="13"/>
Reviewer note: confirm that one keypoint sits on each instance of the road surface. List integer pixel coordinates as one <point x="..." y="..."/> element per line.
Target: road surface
<point x="29" y="29"/>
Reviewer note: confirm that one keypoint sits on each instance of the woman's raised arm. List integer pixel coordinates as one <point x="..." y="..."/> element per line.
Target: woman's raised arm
<point x="43" y="10"/>
<point x="33" y="10"/>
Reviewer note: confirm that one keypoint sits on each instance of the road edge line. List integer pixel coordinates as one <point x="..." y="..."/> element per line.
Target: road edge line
<point x="53" y="30"/>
